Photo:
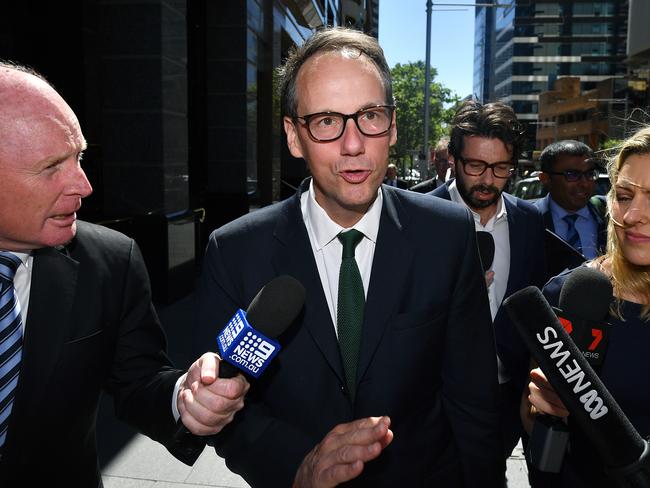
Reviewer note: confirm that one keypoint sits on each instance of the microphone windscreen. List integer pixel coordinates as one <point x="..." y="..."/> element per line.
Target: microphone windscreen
<point x="485" y="248"/>
<point x="592" y="407"/>
<point x="586" y="294"/>
<point x="276" y="305"/>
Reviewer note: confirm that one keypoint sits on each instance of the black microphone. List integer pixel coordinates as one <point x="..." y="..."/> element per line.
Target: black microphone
<point x="272" y="310"/>
<point x="592" y="408"/>
<point x="485" y="248"/>
<point x="270" y="313"/>
<point x="583" y="310"/>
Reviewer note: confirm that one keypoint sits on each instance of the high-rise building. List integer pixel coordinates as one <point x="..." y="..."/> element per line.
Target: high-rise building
<point x="537" y="42"/>
<point x="483" y="50"/>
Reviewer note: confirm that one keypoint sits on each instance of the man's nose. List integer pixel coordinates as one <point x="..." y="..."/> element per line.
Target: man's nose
<point x="79" y="184"/>
<point x="352" y="139"/>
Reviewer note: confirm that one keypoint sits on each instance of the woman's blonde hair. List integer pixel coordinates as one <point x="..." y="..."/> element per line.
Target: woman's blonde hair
<point x="627" y="278"/>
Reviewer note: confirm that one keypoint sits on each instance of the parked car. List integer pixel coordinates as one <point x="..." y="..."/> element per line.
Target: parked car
<point x="532" y="189"/>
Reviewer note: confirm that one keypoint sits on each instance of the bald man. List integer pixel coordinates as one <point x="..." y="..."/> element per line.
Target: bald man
<point x="75" y="312"/>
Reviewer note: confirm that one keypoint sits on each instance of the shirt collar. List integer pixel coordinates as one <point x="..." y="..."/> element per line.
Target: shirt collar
<point x="23" y="256"/>
<point x="325" y="229"/>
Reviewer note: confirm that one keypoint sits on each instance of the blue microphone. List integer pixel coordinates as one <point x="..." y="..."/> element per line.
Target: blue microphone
<point x="247" y="342"/>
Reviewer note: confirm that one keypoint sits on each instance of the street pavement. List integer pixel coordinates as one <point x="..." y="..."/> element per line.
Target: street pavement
<point x="131" y="460"/>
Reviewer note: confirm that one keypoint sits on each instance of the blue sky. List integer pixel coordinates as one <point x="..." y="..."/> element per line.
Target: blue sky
<point x="402" y="35"/>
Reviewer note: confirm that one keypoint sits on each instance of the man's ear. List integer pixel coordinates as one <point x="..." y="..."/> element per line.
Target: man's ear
<point x="293" y="141"/>
<point x="544" y="178"/>
<point x="393" y="131"/>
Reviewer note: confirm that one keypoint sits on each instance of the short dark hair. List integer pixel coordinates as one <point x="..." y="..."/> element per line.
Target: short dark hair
<point x="568" y="147"/>
<point x="492" y="120"/>
<point x="329" y="39"/>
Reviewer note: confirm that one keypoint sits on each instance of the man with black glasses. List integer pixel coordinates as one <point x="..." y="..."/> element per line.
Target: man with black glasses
<point x="484" y="145"/>
<point x="388" y="376"/>
<point x="569" y="174"/>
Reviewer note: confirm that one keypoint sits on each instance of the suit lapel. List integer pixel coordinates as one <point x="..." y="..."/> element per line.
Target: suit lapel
<point x="545" y="208"/>
<point x="295" y="258"/>
<point x="54" y="280"/>
<point x="517" y="233"/>
<point x="391" y="247"/>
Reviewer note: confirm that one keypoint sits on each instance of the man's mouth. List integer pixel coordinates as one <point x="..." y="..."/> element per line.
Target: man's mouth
<point x="355" y="176"/>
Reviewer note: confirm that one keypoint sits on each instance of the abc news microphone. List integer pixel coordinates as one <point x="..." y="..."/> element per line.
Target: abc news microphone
<point x="594" y="411"/>
<point x="248" y="349"/>
<point x="583" y="310"/>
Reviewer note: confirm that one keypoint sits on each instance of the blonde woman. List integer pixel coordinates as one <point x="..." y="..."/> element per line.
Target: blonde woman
<point x="626" y="368"/>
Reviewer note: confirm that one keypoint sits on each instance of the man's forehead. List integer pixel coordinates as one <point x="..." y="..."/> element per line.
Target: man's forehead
<point x="581" y="160"/>
<point x="482" y="143"/>
<point x="316" y="64"/>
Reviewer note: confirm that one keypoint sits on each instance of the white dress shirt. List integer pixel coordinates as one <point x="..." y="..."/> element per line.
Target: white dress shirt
<point x="327" y="249"/>
<point x="497" y="226"/>
<point x="23" y="283"/>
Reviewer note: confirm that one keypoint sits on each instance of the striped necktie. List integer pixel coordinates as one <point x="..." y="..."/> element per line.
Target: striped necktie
<point x="350" y="308"/>
<point x="11" y="339"/>
<point x="572" y="236"/>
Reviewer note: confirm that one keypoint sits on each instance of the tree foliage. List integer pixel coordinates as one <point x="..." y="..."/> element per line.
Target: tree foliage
<point x="408" y="89"/>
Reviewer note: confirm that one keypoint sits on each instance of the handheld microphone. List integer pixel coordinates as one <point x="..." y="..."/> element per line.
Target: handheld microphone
<point x="485" y="248"/>
<point x="583" y="309"/>
<point x="250" y="350"/>
<point x="592" y="408"/>
<point x="246" y="342"/>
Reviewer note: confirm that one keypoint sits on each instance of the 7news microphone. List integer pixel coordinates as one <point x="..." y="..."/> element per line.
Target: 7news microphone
<point x="246" y="344"/>
<point x="594" y="411"/>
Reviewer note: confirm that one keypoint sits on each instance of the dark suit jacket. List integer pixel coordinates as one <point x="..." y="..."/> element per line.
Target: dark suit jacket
<point x="425" y="186"/>
<point x="544" y="207"/>
<point x="90" y="327"/>
<point x="402" y="184"/>
<point x="426" y="360"/>
<point x="527" y="267"/>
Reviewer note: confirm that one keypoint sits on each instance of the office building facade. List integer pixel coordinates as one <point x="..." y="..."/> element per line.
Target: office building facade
<point x="537" y="42"/>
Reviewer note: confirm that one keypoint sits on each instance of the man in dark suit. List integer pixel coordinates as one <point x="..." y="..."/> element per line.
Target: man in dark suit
<point x="484" y="146"/>
<point x="392" y="178"/>
<point x="413" y="402"/>
<point x="75" y="312"/>
<point x="569" y="174"/>
<point x="442" y="167"/>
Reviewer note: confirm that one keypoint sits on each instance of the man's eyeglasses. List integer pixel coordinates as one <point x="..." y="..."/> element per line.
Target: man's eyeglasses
<point x="573" y="175"/>
<point x="475" y="167"/>
<point x="329" y="126"/>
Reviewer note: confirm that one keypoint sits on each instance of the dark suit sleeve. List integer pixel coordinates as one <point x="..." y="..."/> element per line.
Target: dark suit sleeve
<point x="470" y="391"/>
<point x="538" y="258"/>
<point x="142" y="379"/>
<point x="258" y="446"/>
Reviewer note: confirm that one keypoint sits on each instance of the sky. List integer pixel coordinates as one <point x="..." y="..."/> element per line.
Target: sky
<point x="402" y="35"/>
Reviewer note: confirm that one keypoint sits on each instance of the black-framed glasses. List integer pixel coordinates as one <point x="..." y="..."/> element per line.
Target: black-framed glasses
<point x="329" y="126"/>
<point x="573" y="175"/>
<point x="476" y="167"/>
